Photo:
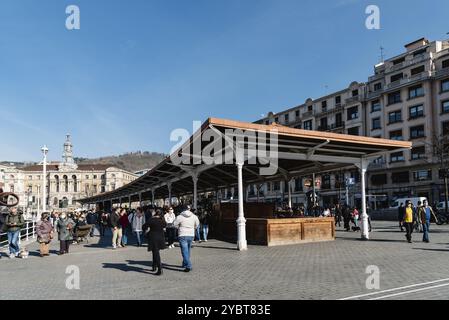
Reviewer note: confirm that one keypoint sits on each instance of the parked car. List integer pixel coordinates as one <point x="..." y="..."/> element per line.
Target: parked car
<point x="441" y="206"/>
<point x="414" y="200"/>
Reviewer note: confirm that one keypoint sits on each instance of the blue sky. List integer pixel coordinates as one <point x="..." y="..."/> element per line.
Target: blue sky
<point x="138" y="69"/>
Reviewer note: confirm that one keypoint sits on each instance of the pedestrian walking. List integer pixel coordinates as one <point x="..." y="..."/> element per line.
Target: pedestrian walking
<point x="425" y="214"/>
<point x="44" y="230"/>
<point x="13" y="224"/>
<point x="186" y="223"/>
<point x="104" y="223"/>
<point x="338" y="215"/>
<point x="156" y="239"/>
<point x="124" y="222"/>
<point x="169" y="218"/>
<point x="65" y="227"/>
<point x="205" y="224"/>
<point x="92" y="219"/>
<point x="408" y="221"/>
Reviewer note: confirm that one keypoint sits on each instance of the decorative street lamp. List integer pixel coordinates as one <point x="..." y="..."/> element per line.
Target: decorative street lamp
<point x="44" y="179"/>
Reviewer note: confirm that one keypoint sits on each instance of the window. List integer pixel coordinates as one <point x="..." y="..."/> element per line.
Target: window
<point x="394" y="117"/>
<point x="309" y="108"/>
<point x="416" y="112"/>
<point x="379" y="179"/>
<point x="415" y="92"/>
<point x="394" y="97"/>
<point x="376" y="124"/>
<point x="308" y="125"/>
<point x="353" y="113"/>
<point x="397" y="77"/>
<point x="297" y="114"/>
<point x="353" y="131"/>
<point x="375" y="106"/>
<point x="416" y="132"/>
<point x="445" y="106"/>
<point x="418" y="70"/>
<point x="397" y="157"/>
<point x="338" y="100"/>
<point x="378" y="86"/>
<point x="396" y="135"/>
<point x="323" y="123"/>
<point x="95" y="176"/>
<point x="324" y="105"/>
<point x="400" y="177"/>
<point x="419" y="153"/>
<point x="276" y="186"/>
<point x="419" y="52"/>
<point x="445" y="85"/>
<point x="422" y="175"/>
<point x="326" y="182"/>
<point x="276" y="120"/>
<point x="355" y="93"/>
<point x="267" y="122"/>
<point x="286" y="118"/>
<point x="87" y="177"/>
<point x="445" y="128"/>
<point x="398" y="61"/>
<point x="446" y="64"/>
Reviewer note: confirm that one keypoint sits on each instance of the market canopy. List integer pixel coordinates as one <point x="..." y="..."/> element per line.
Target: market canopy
<point x="293" y="152"/>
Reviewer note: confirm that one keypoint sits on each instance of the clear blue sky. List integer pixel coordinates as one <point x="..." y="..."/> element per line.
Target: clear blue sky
<point x="138" y="69"/>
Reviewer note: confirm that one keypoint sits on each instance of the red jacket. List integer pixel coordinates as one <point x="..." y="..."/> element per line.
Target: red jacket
<point x="124" y="222"/>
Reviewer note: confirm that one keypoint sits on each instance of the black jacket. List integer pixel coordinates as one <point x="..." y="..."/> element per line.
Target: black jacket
<point x="92" y="218"/>
<point x="115" y="220"/>
<point x="156" y="235"/>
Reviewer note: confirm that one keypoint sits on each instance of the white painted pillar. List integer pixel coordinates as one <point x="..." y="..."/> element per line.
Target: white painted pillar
<point x="195" y="190"/>
<point x="365" y="228"/>
<point x="289" y="193"/>
<point x="241" y="221"/>
<point x="169" y="194"/>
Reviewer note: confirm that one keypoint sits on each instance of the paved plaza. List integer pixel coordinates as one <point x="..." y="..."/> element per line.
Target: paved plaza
<point x="327" y="270"/>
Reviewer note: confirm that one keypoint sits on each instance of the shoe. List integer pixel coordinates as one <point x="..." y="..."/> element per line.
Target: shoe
<point x="205" y="240"/>
<point x="12" y="256"/>
<point x="114" y="247"/>
<point x="187" y="270"/>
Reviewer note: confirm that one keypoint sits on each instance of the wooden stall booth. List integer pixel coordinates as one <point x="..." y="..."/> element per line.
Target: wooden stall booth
<point x="264" y="228"/>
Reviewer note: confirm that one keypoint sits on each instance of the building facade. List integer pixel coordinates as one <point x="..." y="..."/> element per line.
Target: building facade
<point x="66" y="181"/>
<point x="407" y="98"/>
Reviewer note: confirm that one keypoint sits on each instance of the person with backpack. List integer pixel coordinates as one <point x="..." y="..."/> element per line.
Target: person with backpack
<point x="13" y="224"/>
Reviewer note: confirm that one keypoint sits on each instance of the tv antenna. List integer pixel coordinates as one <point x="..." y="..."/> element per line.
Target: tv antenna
<point x="382" y="54"/>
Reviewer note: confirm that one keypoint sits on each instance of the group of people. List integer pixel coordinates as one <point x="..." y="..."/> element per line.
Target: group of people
<point x="418" y="218"/>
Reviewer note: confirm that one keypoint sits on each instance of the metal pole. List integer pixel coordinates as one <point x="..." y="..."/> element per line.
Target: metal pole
<point x="446" y="193"/>
<point x="241" y="221"/>
<point x="313" y="189"/>
<point x="44" y="180"/>
<point x="195" y="190"/>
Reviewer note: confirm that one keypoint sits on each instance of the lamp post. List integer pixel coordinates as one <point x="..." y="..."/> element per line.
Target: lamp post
<point x="44" y="179"/>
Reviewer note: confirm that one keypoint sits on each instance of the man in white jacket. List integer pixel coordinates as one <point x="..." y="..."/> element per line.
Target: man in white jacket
<point x="186" y="223"/>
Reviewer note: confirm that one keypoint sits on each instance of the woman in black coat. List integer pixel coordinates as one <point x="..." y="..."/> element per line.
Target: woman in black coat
<point x="156" y="239"/>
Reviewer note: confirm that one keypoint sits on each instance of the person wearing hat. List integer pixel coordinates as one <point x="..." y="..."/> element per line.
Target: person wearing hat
<point x="44" y="230"/>
<point x="65" y="228"/>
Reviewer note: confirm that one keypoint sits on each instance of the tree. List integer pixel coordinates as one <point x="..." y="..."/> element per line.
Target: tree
<point x="441" y="153"/>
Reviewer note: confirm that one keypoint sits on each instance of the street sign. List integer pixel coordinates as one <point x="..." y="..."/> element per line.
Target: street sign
<point x="350" y="181"/>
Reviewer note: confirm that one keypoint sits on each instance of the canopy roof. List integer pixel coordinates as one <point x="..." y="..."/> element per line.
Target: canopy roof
<point x="296" y="152"/>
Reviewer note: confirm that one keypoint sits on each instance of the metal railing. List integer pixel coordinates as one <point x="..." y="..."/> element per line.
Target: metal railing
<point x="26" y="233"/>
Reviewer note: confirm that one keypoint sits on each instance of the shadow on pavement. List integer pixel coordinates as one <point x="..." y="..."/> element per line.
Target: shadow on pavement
<point x="125" y="267"/>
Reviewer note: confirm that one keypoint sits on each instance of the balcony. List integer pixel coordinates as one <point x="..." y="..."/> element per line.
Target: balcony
<point x="324" y="128"/>
<point x="441" y="73"/>
<point x="308" y="114"/>
<point x="338" y="108"/>
<point x="374" y="94"/>
<point x="336" y="126"/>
<point x="407" y="81"/>
<point x="376" y="77"/>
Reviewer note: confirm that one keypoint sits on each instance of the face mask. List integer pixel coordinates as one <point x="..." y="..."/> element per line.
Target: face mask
<point x="63" y="216"/>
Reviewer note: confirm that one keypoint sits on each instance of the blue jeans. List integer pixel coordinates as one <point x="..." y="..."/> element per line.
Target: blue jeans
<point x="425" y="228"/>
<point x="138" y="235"/>
<point x="186" y="244"/>
<point x="205" y="231"/>
<point x="125" y="236"/>
<point x="197" y="234"/>
<point x="13" y="240"/>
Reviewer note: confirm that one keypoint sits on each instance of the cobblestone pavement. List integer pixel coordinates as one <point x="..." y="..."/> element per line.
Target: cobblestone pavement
<point x="326" y="270"/>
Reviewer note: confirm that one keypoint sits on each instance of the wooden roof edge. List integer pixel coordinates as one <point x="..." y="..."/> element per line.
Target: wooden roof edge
<point x="311" y="134"/>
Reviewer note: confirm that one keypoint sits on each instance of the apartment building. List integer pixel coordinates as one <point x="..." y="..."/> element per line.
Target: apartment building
<point x="407" y="98"/>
